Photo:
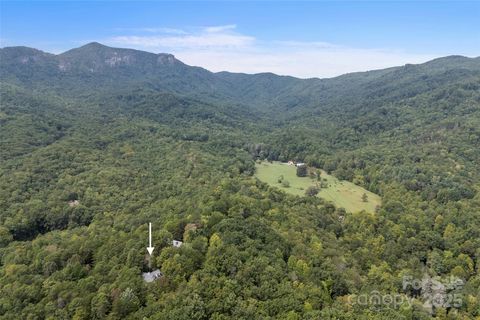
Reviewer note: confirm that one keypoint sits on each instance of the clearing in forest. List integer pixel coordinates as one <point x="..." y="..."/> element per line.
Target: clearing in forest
<point x="342" y="193"/>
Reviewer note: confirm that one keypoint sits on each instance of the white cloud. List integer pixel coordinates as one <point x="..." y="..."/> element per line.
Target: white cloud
<point x="154" y="30"/>
<point x="164" y="30"/>
<point x="213" y="40"/>
<point x="221" y="48"/>
<point x="209" y="37"/>
<point x="306" y="44"/>
<point x="303" y="64"/>
<point x="220" y="28"/>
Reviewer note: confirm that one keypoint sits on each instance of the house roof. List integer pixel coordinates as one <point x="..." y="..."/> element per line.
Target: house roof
<point x="152" y="276"/>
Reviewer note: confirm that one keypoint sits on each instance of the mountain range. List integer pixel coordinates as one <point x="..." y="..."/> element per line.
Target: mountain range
<point x="104" y="68"/>
<point x="98" y="142"/>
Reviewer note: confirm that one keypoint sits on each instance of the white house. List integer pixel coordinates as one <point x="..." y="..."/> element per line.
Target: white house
<point x="152" y="276"/>
<point x="177" y="243"/>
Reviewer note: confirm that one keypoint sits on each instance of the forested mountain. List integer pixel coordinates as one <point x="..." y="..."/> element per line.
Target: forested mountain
<point x="97" y="142"/>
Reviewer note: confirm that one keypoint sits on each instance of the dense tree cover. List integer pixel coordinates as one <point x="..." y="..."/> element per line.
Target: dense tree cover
<point x="83" y="171"/>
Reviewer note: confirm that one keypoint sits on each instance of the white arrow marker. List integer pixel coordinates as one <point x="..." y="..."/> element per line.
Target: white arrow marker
<point x="150" y="248"/>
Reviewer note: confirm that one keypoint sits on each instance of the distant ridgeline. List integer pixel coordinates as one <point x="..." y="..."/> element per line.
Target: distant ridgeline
<point x="97" y="142"/>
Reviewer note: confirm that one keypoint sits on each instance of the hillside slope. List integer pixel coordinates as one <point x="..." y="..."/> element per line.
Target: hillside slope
<point x="98" y="142"/>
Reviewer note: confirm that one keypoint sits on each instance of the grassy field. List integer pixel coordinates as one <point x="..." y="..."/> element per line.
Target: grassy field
<point x="342" y="193"/>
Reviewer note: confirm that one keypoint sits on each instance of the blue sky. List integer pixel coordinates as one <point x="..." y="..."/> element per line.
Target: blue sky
<point x="304" y="39"/>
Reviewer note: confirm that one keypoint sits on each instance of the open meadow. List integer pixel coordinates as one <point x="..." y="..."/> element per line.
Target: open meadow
<point x="342" y="193"/>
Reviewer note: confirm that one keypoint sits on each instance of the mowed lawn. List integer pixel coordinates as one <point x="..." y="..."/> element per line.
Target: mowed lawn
<point x="342" y="193"/>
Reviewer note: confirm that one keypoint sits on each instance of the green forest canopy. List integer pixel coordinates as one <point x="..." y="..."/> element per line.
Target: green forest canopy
<point x="92" y="152"/>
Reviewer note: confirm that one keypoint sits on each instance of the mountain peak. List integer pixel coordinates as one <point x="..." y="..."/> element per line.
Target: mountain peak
<point x="453" y="61"/>
<point x="95" y="44"/>
<point x="95" y="56"/>
<point x="96" y="47"/>
<point x="90" y="48"/>
<point x="24" y="55"/>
